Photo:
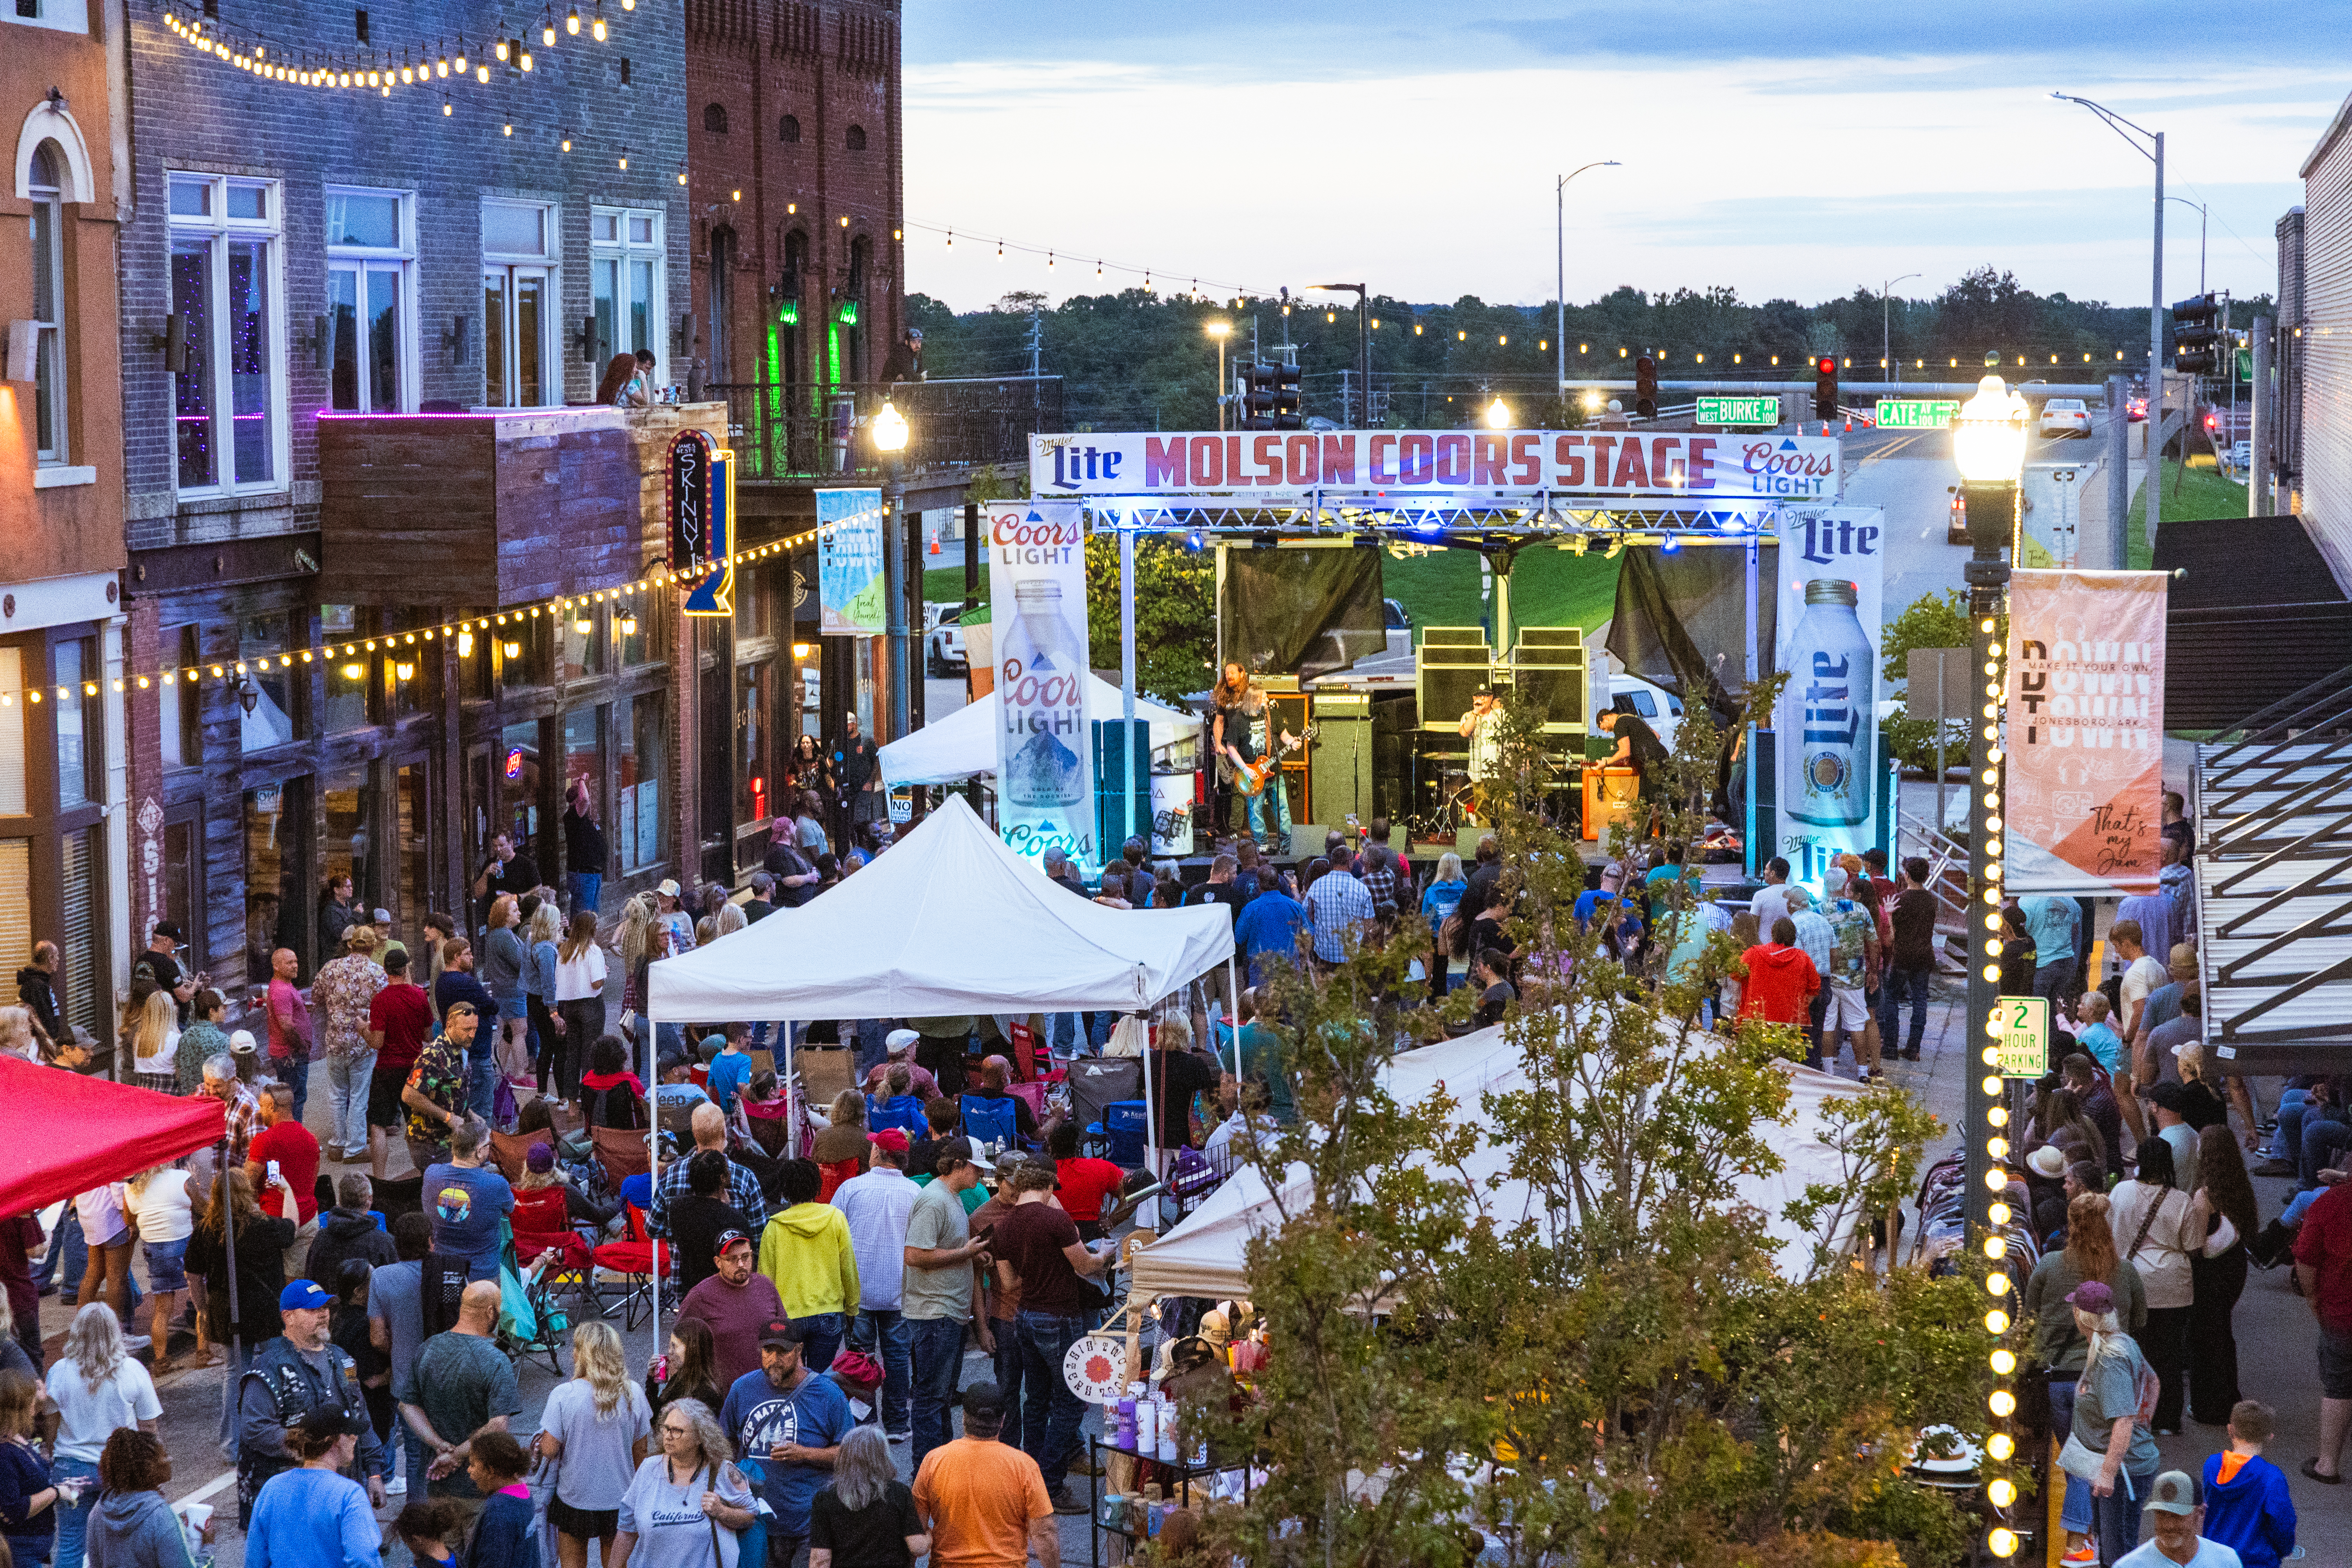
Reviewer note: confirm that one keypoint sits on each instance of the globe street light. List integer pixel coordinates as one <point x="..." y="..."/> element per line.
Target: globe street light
<point x="1887" y="322"/>
<point x="1560" y="306"/>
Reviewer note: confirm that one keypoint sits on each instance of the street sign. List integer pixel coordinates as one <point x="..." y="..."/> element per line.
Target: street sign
<point x="2024" y="1035"/>
<point x="1917" y="413"/>
<point x="1740" y="410"/>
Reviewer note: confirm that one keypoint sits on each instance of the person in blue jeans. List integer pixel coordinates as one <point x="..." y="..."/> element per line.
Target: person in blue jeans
<point x="2106" y="1421"/>
<point x="458" y="983"/>
<point x="1036" y="1248"/>
<point x="937" y="1297"/>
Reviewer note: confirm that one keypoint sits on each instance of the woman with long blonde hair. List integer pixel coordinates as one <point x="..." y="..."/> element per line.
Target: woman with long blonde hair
<point x="643" y="938"/>
<point x="598" y="1429"/>
<point x="99" y="1390"/>
<point x="504" y="962"/>
<point x="155" y="1042"/>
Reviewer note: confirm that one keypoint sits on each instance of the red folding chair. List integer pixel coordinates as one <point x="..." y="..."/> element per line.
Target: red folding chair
<point x="542" y="1222"/>
<point x="639" y="1260"/>
<point x="834" y="1175"/>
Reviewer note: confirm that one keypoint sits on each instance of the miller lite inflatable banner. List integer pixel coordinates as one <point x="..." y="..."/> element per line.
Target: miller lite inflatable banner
<point x="1044" y="755"/>
<point x="1832" y="568"/>
<point x="2085" y="732"/>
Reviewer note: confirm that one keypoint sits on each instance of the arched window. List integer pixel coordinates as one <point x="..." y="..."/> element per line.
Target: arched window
<point x="714" y="118"/>
<point x="788" y="129"/>
<point x="856" y="139"/>
<point x="723" y="303"/>
<point x="47" y="191"/>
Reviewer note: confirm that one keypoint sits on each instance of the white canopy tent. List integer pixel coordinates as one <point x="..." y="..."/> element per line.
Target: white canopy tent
<point x="963" y="744"/>
<point x="1205" y="1255"/>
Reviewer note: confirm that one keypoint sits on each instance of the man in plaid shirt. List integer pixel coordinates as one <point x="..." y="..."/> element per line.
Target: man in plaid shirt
<point x="742" y="1187"/>
<point x="244" y="1111"/>
<point x="1377" y="870"/>
<point x="1335" y="905"/>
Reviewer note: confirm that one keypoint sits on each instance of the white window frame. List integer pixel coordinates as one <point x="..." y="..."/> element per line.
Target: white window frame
<point x="217" y="229"/>
<point x="50" y="320"/>
<point x="507" y="268"/>
<point x="619" y="252"/>
<point x="399" y="260"/>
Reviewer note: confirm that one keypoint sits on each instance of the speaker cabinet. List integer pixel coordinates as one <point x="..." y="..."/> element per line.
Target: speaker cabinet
<point x="1340" y="768"/>
<point x="1446" y="692"/>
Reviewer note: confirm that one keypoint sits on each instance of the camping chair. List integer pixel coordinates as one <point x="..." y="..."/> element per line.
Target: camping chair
<point x="1096" y="1083"/>
<point x="905" y="1113"/>
<point x="994" y="1120"/>
<point x="530" y="1321"/>
<point x="622" y="1152"/>
<point x="1034" y="1093"/>
<point x="766" y="1119"/>
<point x="542" y="1222"/>
<point x="510" y="1151"/>
<point x="638" y="1258"/>
<point x="838" y="1172"/>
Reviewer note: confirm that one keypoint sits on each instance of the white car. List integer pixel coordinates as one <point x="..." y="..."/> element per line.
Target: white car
<point x="943" y="652"/>
<point x="2066" y="417"/>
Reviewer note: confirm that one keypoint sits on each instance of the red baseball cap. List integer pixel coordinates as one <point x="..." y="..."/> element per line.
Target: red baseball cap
<point x="891" y="1138"/>
<point x="728" y="1239"/>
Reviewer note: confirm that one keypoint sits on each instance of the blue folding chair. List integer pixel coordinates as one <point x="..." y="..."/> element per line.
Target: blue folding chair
<point x="996" y="1121"/>
<point x="904" y="1112"/>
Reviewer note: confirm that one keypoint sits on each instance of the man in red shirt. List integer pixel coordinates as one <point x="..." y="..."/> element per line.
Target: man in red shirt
<point x="1084" y="1184"/>
<point x="285" y="1141"/>
<point x="289" y="1028"/>
<point x="2323" y="1266"/>
<point x="399" y="1019"/>
<point x="1781" y="980"/>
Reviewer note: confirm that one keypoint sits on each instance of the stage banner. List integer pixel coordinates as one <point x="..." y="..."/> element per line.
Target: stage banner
<point x="1044" y="765"/>
<point x="2085" y="736"/>
<point x="1448" y="464"/>
<point x="851" y="587"/>
<point x="1831" y="570"/>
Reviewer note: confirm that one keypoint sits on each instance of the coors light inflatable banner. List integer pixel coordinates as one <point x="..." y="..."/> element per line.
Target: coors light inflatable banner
<point x="1044" y="757"/>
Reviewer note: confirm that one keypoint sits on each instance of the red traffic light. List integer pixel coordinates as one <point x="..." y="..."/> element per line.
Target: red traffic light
<point x="2211" y="422"/>
<point x="1826" y="365"/>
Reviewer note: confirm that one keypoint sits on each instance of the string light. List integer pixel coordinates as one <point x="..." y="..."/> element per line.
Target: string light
<point x="599" y="31"/>
<point x="546" y="28"/>
<point x="572" y="22"/>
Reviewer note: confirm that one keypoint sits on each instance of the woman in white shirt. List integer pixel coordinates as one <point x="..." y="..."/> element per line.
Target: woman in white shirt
<point x="155" y="1043"/>
<point x="99" y="1390"/>
<point x="2157" y="1226"/>
<point x="160" y="1206"/>
<point x="579" y="1000"/>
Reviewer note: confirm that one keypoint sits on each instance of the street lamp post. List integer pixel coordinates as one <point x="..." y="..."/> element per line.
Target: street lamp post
<point x="2153" y="152"/>
<point x="1219" y="331"/>
<point x="1989" y="442"/>
<point x="1887" y="322"/>
<point x="889" y="429"/>
<point x="1560" y="305"/>
<point x="2203" y="216"/>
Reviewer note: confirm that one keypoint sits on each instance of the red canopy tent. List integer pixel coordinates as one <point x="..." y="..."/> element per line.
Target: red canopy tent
<point x="71" y="1133"/>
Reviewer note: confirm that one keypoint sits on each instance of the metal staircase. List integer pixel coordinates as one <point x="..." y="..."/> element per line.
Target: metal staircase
<point x="2273" y="801"/>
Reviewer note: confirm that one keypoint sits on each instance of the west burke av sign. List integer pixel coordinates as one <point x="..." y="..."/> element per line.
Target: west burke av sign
<point x="1289" y="465"/>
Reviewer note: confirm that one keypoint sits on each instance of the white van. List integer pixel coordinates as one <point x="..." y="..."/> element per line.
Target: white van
<point x="1632" y="694"/>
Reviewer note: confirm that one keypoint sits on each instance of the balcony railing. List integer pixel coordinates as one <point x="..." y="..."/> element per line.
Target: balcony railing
<point x="779" y="431"/>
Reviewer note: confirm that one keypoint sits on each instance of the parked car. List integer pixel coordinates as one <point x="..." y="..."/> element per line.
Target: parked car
<point x="2063" y="417"/>
<point x="943" y="652"/>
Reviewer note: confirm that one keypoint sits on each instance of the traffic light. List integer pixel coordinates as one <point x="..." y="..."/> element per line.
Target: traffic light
<point x="1646" y="387"/>
<point x="1825" y="393"/>
<point x="1257" y="397"/>
<point x="1286" y="407"/>
<point x="2196" y="340"/>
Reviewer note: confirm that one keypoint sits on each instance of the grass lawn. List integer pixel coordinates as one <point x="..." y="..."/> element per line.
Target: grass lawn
<point x="2203" y="495"/>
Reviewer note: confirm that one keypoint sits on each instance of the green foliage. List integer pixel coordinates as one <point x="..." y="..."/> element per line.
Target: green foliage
<point x="2197" y="493"/>
<point x="1932" y="620"/>
<point x="1653" y="1386"/>
<point x="1175" y="613"/>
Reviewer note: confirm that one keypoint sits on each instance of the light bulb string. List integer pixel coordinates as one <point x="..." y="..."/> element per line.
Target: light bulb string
<point x="406" y="644"/>
<point x="261" y="55"/>
<point x="1053" y="253"/>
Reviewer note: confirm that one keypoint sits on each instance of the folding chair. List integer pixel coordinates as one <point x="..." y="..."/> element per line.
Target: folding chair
<point x="905" y="1113"/>
<point x="509" y="1152"/>
<point x="996" y="1120"/>
<point x="622" y="1152"/>
<point x="530" y="1322"/>
<point x="838" y="1172"/>
<point x="638" y="1260"/>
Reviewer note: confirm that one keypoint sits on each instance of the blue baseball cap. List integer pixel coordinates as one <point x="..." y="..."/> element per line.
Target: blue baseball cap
<point x="303" y="1293"/>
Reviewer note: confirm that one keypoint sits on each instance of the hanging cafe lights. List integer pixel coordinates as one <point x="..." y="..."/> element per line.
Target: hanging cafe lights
<point x="376" y="71"/>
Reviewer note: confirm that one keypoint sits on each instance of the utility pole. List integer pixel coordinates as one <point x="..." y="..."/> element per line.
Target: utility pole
<point x="2155" y="484"/>
<point x="2258" y="465"/>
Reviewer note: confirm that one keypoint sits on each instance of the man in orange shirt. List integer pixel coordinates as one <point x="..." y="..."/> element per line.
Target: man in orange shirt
<point x="984" y="1502"/>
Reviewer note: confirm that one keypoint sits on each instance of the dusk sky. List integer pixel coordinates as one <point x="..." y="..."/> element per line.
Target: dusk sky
<point x="1796" y="151"/>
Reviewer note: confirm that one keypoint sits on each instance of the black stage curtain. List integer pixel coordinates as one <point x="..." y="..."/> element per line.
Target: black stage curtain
<point x="1301" y="612"/>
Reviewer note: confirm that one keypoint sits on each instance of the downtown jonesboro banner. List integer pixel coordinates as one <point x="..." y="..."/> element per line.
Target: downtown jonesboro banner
<point x="1293" y="465"/>
<point x="1045" y="755"/>
<point x="850" y="584"/>
<point x="1833" y="563"/>
<point x="2086" y="733"/>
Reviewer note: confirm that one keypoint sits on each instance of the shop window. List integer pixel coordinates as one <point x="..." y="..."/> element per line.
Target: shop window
<point x="349" y="676"/>
<point x="13" y="797"/>
<point x="268" y="697"/>
<point x="581" y="641"/>
<point x="77" y="711"/>
<point x="413" y="846"/>
<point x="522" y="647"/>
<point x="276" y="908"/>
<point x="182" y="724"/>
<point x="181" y="841"/>
<point x="349" y="801"/>
<point x="370" y="309"/>
<point x="584" y="758"/>
<point x="15" y="904"/>
<point x="78" y="991"/>
<point x="626" y="270"/>
<point x="755" y="683"/>
<point x="401" y="672"/>
<point x="48" y="178"/>
<point x="635" y="624"/>
<point x="636" y="829"/>
<point x="521" y="367"/>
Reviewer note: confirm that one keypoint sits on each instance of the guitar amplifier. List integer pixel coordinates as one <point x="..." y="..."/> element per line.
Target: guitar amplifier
<point x="1339" y="767"/>
<point x="1470" y="639"/>
<point x="1552" y="637"/>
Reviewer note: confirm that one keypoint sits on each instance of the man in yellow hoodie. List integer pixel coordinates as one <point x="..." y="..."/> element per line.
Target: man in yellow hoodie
<point x="806" y="1250"/>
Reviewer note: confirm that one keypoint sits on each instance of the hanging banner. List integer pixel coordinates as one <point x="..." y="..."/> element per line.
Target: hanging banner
<point x="1045" y="767"/>
<point x="1832" y="568"/>
<point x="2085" y="734"/>
<point x="851" y="588"/>
<point x="1293" y="465"/>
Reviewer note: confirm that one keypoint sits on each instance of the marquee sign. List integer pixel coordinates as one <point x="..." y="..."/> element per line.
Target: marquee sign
<point x="699" y="486"/>
<point x="1286" y="465"/>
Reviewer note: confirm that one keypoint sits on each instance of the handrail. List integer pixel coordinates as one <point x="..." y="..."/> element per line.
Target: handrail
<point x="2264" y="716"/>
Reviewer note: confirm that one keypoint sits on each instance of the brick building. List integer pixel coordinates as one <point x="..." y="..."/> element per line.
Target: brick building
<point x="396" y="305"/>
<point x="63" y="846"/>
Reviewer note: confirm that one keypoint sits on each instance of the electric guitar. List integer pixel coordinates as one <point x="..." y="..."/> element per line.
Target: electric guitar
<point x="1251" y="778"/>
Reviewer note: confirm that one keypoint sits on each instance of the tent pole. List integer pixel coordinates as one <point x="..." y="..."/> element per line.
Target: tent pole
<point x="227" y="1331"/>
<point x="792" y="1105"/>
<point x="1150" y="1121"/>
<point x="653" y="1141"/>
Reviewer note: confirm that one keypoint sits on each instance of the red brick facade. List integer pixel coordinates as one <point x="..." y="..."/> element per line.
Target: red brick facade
<point x="795" y="160"/>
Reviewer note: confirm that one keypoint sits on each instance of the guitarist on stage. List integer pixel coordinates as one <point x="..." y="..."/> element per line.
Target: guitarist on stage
<point x="1240" y="714"/>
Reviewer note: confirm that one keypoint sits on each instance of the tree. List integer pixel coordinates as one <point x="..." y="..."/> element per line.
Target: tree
<point x="1650" y="1385"/>
<point x="1932" y="620"/>
<point x="1175" y="613"/>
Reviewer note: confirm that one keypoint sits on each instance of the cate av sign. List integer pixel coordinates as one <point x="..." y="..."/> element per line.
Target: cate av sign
<point x="1293" y="465"/>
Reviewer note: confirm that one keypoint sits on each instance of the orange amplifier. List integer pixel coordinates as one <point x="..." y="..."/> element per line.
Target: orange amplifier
<point x="1611" y="794"/>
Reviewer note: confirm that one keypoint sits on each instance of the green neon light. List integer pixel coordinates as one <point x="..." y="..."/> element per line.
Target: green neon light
<point x="849" y="313"/>
<point x="790" y="314"/>
<point x="833" y="354"/>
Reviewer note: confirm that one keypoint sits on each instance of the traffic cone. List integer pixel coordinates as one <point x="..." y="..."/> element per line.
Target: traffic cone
<point x="934" y="547"/>
<point x="1849" y="424"/>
